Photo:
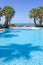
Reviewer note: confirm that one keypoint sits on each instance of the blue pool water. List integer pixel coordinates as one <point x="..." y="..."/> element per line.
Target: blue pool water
<point x="21" y="47"/>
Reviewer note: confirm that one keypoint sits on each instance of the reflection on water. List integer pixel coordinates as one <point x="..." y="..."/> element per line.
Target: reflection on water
<point x="7" y="34"/>
<point x="17" y="51"/>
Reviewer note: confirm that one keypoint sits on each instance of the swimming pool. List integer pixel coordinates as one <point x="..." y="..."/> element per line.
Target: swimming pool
<point x="21" y="46"/>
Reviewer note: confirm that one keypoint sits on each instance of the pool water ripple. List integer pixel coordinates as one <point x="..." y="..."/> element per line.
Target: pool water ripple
<point x="21" y="47"/>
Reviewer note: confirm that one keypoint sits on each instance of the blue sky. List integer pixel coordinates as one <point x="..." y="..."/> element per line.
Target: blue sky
<point x="22" y="8"/>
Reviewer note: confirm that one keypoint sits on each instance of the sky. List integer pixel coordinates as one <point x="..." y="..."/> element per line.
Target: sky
<point x="22" y="9"/>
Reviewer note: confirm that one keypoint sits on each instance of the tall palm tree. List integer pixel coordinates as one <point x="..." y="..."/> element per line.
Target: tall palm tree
<point x="9" y="12"/>
<point x="33" y="14"/>
<point x="40" y="15"/>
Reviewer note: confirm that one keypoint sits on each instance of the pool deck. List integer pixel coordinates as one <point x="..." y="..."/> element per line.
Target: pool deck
<point x="24" y="27"/>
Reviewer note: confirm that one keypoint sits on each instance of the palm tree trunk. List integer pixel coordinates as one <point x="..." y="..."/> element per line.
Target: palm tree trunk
<point x="40" y="22"/>
<point x="0" y="18"/>
<point x="35" y="21"/>
<point x="6" y="24"/>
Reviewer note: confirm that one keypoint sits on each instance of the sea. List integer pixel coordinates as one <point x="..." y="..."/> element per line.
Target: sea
<point x="21" y="24"/>
<point x="24" y="24"/>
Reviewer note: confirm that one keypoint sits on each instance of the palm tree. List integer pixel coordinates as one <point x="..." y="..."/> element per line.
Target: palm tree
<point x="33" y="14"/>
<point x="40" y="15"/>
<point x="9" y="12"/>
